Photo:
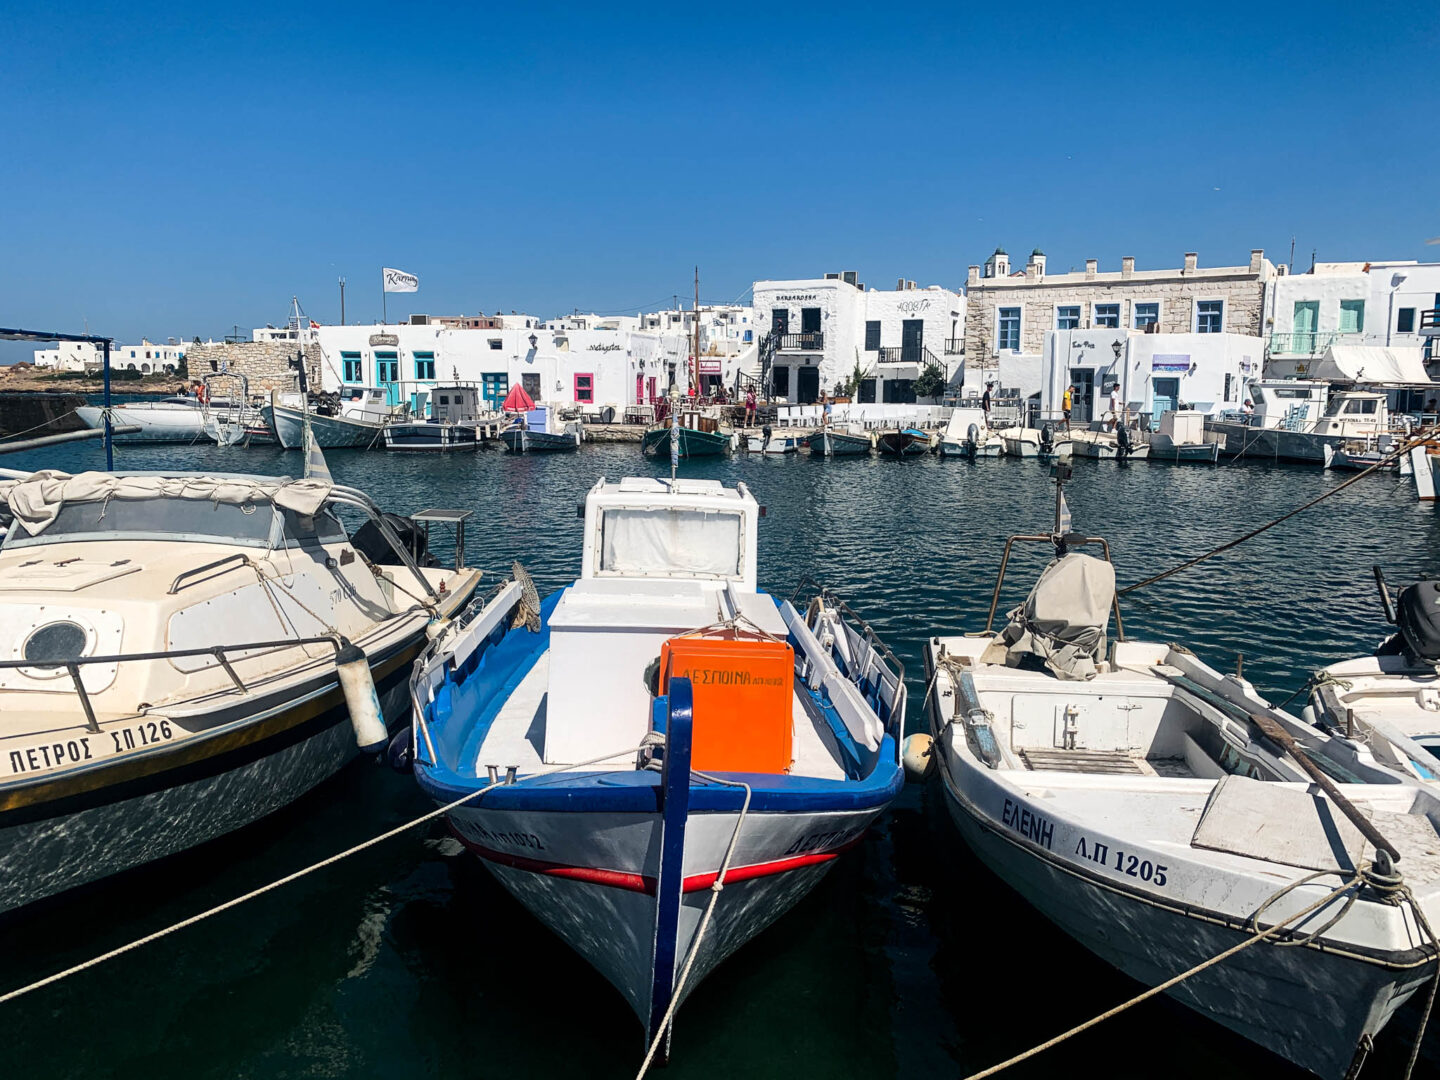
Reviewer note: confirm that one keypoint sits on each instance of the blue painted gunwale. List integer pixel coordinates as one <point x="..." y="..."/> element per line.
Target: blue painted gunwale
<point x="499" y="665"/>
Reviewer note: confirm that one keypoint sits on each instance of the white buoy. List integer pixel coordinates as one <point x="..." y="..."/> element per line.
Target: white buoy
<point x="435" y="627"/>
<point x="358" y="685"/>
<point x="915" y="753"/>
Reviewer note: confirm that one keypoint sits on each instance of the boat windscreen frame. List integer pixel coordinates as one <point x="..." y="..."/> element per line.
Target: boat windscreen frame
<point x="1062" y="544"/>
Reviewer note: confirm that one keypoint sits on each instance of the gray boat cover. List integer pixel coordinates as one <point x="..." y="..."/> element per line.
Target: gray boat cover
<point x="36" y="500"/>
<point x="1063" y="619"/>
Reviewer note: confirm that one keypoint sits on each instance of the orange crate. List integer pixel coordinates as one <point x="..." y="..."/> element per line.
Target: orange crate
<point x="743" y="691"/>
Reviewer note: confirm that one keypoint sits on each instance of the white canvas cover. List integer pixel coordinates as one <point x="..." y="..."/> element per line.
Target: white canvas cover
<point x="1063" y="619"/>
<point x="670" y="541"/>
<point x="36" y="500"/>
<point x="1372" y="364"/>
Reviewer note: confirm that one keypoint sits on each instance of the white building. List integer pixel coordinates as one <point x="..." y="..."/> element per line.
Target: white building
<point x="1155" y="372"/>
<point x="147" y="358"/>
<point x="589" y="368"/>
<point x="1374" y="303"/>
<point x="826" y="331"/>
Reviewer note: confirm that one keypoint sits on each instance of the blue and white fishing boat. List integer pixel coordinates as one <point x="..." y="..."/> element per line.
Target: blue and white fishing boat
<point x="655" y="730"/>
<point x="540" y="429"/>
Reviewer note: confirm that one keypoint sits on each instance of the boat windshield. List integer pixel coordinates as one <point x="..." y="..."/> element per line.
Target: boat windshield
<point x="698" y="543"/>
<point x="200" y="520"/>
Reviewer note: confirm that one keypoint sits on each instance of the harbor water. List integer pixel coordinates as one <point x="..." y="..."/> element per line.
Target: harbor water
<point x="910" y="960"/>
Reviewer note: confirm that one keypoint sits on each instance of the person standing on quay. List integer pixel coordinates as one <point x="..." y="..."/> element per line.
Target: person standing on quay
<point x="1065" y="404"/>
<point x="750" y="407"/>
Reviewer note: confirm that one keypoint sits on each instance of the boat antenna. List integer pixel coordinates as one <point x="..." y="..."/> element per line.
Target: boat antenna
<point x="1062" y="472"/>
<point x="674" y="433"/>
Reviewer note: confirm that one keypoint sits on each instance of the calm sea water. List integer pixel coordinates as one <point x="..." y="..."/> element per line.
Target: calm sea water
<point x="909" y="960"/>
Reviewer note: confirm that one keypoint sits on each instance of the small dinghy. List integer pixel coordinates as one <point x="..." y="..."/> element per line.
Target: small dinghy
<point x="539" y="430"/>
<point x="1160" y="814"/>
<point x="1118" y="445"/>
<point x="1181" y="439"/>
<point x="1355" y="457"/>
<point x="654" y="731"/>
<point x="770" y="441"/>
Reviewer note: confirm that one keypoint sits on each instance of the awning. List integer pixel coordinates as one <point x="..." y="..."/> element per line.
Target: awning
<point x="518" y="400"/>
<point x="36" y="500"/>
<point x="1372" y="364"/>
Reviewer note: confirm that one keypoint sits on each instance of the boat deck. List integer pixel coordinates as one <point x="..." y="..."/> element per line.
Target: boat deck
<point x="517" y="735"/>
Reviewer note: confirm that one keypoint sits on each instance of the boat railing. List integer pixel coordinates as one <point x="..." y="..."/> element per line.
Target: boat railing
<point x="238" y="558"/>
<point x="1063" y="543"/>
<point x="357" y="498"/>
<point x="73" y="665"/>
<point x="872" y="639"/>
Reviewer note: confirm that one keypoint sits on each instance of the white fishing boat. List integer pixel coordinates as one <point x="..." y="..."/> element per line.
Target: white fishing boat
<point x="358" y="422"/>
<point x="844" y="440"/>
<point x="1181" y="439"/>
<point x="1356" y="457"/>
<point x="967" y="435"/>
<point x="539" y="429"/>
<point x="1161" y="814"/>
<point x="184" y="654"/>
<point x="179" y="419"/>
<point x="655" y="730"/>
<point x="1295" y="419"/>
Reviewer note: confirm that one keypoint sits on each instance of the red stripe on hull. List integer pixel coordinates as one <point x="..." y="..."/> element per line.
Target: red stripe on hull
<point x="620" y="879"/>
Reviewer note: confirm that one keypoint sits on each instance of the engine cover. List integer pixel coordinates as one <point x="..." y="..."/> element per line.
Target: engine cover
<point x="1417" y="615"/>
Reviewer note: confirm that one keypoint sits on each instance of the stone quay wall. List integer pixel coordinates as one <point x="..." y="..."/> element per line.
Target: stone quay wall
<point x="267" y="364"/>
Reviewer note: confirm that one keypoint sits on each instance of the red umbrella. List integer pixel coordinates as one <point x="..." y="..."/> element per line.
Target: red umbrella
<point x="518" y="400"/>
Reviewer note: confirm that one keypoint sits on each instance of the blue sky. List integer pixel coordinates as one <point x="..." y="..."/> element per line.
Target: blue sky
<point x="178" y="170"/>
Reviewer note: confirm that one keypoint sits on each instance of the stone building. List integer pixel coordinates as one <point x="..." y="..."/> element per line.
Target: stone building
<point x="266" y="364"/>
<point x="1008" y="314"/>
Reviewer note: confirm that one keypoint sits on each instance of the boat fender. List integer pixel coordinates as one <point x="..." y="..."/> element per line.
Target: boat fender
<point x="915" y="752"/>
<point x="436" y="628"/>
<point x="353" y="670"/>
<point x="973" y="435"/>
<point x="401" y="754"/>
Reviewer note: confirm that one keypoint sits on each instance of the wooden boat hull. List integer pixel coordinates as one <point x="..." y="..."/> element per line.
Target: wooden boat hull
<point x="1163" y="448"/>
<point x="693" y="443"/>
<point x="430" y="438"/>
<point x="902" y="443"/>
<point x="331" y="432"/>
<point x="839" y="444"/>
<point x="524" y="441"/>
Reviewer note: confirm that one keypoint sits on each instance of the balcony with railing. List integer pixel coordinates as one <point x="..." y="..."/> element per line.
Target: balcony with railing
<point x="954" y="346"/>
<point x="806" y="341"/>
<point x="1311" y="342"/>
<point x="1430" y="323"/>
<point x="908" y="354"/>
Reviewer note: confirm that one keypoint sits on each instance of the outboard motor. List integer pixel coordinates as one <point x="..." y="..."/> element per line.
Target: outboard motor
<point x="1417" y="616"/>
<point x="972" y="436"/>
<point x="1123" y="445"/>
<point x="369" y="541"/>
<point x="1047" y="438"/>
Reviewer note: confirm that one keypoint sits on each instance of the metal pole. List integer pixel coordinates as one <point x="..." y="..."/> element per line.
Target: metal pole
<point x="109" y="441"/>
<point x="342" y="301"/>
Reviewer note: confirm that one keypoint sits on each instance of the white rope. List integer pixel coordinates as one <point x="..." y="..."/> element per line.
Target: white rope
<point x="715" y="891"/>
<point x="237" y="901"/>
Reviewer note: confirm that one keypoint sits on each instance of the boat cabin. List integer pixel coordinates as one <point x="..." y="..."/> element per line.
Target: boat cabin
<point x="660" y="558"/>
<point x="1310" y="406"/>
<point x="368" y="403"/>
<point x="455" y="404"/>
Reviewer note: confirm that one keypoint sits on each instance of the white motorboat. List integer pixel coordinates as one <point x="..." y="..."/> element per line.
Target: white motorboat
<point x="1391" y="699"/>
<point x="655" y="727"/>
<point x="770" y="441"/>
<point x="968" y="435"/>
<point x="1160" y="814"/>
<point x="172" y="420"/>
<point x="358" y="424"/>
<point x="182" y="655"/>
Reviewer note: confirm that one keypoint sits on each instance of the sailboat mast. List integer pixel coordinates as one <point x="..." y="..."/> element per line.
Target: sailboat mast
<point x="696" y="373"/>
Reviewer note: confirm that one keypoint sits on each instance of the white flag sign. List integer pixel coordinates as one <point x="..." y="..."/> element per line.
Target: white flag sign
<point x="399" y="281"/>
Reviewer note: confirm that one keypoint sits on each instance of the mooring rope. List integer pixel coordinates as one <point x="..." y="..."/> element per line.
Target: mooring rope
<point x="715" y="890"/>
<point x="1255" y="939"/>
<point x="1394" y="455"/>
<point x="306" y="871"/>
